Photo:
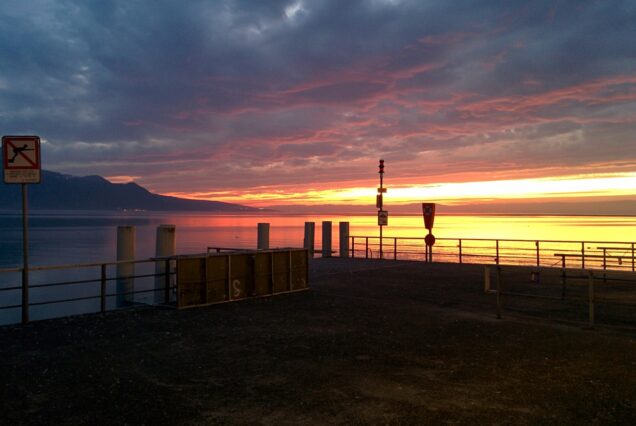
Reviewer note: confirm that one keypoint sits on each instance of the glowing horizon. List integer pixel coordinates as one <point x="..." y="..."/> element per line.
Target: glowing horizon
<point x="452" y="193"/>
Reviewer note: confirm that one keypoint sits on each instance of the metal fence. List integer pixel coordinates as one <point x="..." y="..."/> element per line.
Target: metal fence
<point x="605" y="255"/>
<point x="96" y="287"/>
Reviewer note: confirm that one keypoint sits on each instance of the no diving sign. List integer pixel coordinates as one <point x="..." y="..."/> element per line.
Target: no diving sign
<point x="21" y="159"/>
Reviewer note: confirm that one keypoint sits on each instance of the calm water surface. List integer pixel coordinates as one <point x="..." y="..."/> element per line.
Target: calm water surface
<point x="86" y="237"/>
<point x="72" y="237"/>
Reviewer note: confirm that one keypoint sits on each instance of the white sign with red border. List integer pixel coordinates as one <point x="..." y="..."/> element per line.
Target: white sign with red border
<point x="21" y="159"/>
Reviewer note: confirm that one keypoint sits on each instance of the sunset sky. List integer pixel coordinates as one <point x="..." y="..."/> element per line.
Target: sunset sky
<point x="294" y="101"/>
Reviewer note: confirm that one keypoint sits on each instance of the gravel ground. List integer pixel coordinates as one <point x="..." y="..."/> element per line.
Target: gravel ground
<point x="372" y="342"/>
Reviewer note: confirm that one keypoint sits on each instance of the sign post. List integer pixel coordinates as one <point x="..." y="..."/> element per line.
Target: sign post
<point x="383" y="215"/>
<point x="21" y="161"/>
<point x="428" y="211"/>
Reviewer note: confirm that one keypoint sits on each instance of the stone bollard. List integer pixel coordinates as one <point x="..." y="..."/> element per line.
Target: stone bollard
<point x="308" y="242"/>
<point x="326" y="239"/>
<point x="125" y="251"/>
<point x="263" y="236"/>
<point x="344" y="239"/>
<point x="165" y="247"/>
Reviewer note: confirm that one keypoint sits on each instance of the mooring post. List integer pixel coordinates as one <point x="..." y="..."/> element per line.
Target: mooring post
<point x="486" y="279"/>
<point x="326" y="238"/>
<point x="125" y="271"/>
<point x="308" y="241"/>
<point x="165" y="247"/>
<point x="263" y="236"/>
<point x="344" y="239"/>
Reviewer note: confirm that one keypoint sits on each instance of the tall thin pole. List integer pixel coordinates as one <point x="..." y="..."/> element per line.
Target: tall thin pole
<point x="25" y="258"/>
<point x="381" y="226"/>
<point x="380" y="204"/>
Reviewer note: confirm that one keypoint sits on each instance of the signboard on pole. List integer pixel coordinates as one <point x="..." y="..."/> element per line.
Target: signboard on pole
<point x="383" y="218"/>
<point x="21" y="159"/>
<point x="428" y="211"/>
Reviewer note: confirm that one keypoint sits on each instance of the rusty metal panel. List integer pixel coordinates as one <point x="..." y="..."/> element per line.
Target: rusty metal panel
<point x="280" y="273"/>
<point x="216" y="279"/>
<point x="241" y="276"/>
<point x="190" y="282"/>
<point x="299" y="278"/>
<point x="262" y="274"/>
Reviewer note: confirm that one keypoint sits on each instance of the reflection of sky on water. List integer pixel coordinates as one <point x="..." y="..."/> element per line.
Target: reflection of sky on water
<point x="79" y="238"/>
<point x="86" y="238"/>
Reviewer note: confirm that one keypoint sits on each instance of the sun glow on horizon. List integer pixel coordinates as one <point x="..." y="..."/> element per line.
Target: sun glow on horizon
<point x="599" y="185"/>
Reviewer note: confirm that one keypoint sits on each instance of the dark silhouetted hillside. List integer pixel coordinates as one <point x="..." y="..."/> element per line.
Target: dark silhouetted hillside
<point x="64" y="192"/>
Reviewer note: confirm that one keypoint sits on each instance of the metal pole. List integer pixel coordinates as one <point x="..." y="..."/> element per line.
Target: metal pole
<point x="103" y="288"/>
<point x="460" y="251"/>
<point x="498" y="282"/>
<point x="563" y="277"/>
<point x="25" y="254"/>
<point x="591" y="296"/>
<point x="394" y="248"/>
<point x="538" y="254"/>
<point x="166" y="288"/>
<point x="381" y="206"/>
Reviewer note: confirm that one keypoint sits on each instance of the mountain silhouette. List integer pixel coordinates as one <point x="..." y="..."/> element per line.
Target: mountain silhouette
<point x="65" y="192"/>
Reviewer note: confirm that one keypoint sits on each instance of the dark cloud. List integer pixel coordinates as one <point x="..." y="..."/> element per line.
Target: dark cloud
<point x="153" y="88"/>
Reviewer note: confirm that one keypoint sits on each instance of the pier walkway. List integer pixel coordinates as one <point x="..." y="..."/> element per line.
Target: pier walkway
<point x="372" y="342"/>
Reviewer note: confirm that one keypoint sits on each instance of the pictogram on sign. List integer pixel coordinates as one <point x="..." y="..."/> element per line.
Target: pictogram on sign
<point x="21" y="159"/>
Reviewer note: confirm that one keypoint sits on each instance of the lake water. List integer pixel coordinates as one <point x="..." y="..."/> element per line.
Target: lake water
<point x="85" y="237"/>
<point x="72" y="237"/>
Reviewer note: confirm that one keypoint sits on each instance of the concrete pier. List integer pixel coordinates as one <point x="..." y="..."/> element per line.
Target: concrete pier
<point x="344" y="239"/>
<point x="125" y="251"/>
<point x="165" y="246"/>
<point x="308" y="241"/>
<point x="326" y="238"/>
<point x="263" y="236"/>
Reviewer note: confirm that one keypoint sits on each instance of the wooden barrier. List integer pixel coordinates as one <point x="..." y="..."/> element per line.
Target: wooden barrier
<point x="224" y="277"/>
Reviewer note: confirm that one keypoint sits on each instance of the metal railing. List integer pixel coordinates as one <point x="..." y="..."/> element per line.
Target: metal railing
<point x="584" y="290"/>
<point x="97" y="285"/>
<point x="606" y="255"/>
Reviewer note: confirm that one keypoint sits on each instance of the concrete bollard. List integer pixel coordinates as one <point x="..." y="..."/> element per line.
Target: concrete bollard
<point x="263" y="236"/>
<point x="125" y="251"/>
<point x="308" y="241"/>
<point x="326" y="238"/>
<point x="165" y="247"/>
<point x="344" y="239"/>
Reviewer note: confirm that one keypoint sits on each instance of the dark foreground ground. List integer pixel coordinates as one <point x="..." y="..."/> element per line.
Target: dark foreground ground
<point x="371" y="343"/>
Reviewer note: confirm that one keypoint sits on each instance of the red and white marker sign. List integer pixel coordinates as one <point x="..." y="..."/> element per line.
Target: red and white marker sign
<point x="21" y="159"/>
<point x="428" y="211"/>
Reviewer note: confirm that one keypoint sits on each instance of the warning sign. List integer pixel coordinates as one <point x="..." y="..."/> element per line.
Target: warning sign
<point x="21" y="159"/>
<point x="428" y="211"/>
<point x="383" y="218"/>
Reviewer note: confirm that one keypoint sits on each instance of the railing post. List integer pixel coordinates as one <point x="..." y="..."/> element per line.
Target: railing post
<point x="366" y="247"/>
<point x="604" y="258"/>
<point x="102" y="291"/>
<point x="591" y="296"/>
<point x="563" y="277"/>
<point x="633" y="264"/>
<point x="394" y="248"/>
<point x="460" y="251"/>
<point x="497" y="248"/>
<point x="498" y="283"/>
<point x="538" y="254"/>
<point x="166" y="294"/>
<point x="583" y="255"/>
<point x="353" y="247"/>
